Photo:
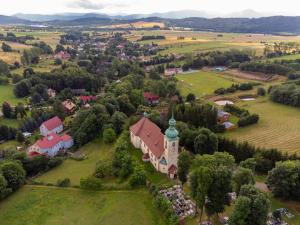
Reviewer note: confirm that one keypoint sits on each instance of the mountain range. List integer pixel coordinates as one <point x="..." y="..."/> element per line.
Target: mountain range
<point x="166" y="15"/>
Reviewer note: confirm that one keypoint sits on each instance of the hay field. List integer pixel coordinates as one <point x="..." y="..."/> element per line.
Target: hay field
<point x="278" y="127"/>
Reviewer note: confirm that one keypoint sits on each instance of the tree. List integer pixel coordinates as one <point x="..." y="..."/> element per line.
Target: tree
<point x="154" y="75"/>
<point x="109" y="135"/>
<point x="4" y="190"/>
<point x="251" y="208"/>
<point x="4" y="68"/>
<point x="58" y="109"/>
<point x="218" y="192"/>
<point x="284" y="180"/>
<point x="7" y="110"/>
<point x="206" y="142"/>
<point x="200" y="182"/>
<point x="20" y="110"/>
<point x="184" y="163"/>
<point x="20" y="137"/>
<point x="57" y="61"/>
<point x="14" y="174"/>
<point x="249" y="164"/>
<point x="22" y="88"/>
<point x="190" y="97"/>
<point x="138" y="178"/>
<point x="261" y="91"/>
<point x="6" y="47"/>
<point x="118" y="120"/>
<point x="242" y="177"/>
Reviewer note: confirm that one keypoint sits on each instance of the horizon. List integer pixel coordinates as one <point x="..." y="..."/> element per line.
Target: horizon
<point x="129" y="7"/>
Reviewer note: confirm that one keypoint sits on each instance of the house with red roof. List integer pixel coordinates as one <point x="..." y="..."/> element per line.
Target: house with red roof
<point x="151" y="98"/>
<point x="86" y="99"/>
<point x="69" y="107"/>
<point x="54" y="125"/>
<point x="51" y="145"/>
<point x="62" y="55"/>
<point x="161" y="150"/>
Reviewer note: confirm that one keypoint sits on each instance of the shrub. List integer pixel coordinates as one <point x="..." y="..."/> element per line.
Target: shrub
<point x="248" y="120"/>
<point x="91" y="183"/>
<point x="138" y="178"/>
<point x="261" y="91"/>
<point x="109" y="135"/>
<point x="103" y="169"/>
<point x="63" y="183"/>
<point x="55" y="161"/>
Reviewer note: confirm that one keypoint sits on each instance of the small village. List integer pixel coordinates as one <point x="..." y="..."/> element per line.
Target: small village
<point x="116" y="122"/>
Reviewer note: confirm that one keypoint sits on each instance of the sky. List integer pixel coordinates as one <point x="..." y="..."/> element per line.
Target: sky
<point x="10" y="7"/>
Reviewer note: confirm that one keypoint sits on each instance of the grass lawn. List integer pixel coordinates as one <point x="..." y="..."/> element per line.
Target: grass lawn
<point x="202" y="83"/>
<point x="278" y="127"/>
<point x="10" y="122"/>
<point x="34" y="205"/>
<point x="7" y="95"/>
<point x="75" y="170"/>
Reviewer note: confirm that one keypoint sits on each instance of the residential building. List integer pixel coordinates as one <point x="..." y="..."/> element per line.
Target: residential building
<point x="223" y="116"/>
<point x="151" y="98"/>
<point x="54" y="125"/>
<point x="161" y="150"/>
<point x="69" y="106"/>
<point x="51" y="145"/>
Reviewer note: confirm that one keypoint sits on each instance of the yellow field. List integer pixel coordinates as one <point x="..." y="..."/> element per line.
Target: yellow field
<point x="137" y="25"/>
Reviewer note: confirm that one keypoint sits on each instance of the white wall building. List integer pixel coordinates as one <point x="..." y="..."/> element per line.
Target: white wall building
<point x="54" y="125"/>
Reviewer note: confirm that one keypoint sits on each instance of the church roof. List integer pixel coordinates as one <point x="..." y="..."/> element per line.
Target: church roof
<point x="151" y="135"/>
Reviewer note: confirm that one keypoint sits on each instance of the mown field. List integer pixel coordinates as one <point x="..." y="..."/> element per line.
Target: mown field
<point x="278" y="127"/>
<point x="202" y="83"/>
<point x="75" y="170"/>
<point x="33" y="205"/>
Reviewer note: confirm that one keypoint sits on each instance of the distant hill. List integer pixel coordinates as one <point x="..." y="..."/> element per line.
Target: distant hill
<point x="5" y="20"/>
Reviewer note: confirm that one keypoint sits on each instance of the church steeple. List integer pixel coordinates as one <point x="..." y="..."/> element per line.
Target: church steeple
<point x="171" y="133"/>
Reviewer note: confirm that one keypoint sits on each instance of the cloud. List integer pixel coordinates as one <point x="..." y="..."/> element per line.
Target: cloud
<point x="91" y="5"/>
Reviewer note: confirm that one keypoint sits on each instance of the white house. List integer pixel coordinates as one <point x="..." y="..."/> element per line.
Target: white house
<point x="54" y="125"/>
<point x="161" y="150"/>
<point x="51" y="145"/>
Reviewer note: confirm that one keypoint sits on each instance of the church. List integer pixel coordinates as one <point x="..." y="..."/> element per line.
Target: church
<point x="161" y="150"/>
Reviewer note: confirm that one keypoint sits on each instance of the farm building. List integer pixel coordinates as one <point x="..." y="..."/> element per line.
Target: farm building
<point x="51" y="145"/>
<point x="54" y="125"/>
<point x="158" y="148"/>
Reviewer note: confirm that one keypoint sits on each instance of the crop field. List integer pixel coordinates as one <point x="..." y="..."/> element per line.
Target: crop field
<point x="196" y="41"/>
<point x="278" y="127"/>
<point x="75" y="170"/>
<point x="137" y="25"/>
<point x="202" y="83"/>
<point x="7" y="95"/>
<point x="34" y="205"/>
<point x="286" y="57"/>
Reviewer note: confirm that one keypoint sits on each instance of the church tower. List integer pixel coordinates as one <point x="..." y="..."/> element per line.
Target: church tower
<point x="171" y="145"/>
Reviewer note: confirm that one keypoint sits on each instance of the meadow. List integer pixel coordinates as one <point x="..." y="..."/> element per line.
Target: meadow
<point x="278" y="127"/>
<point x="74" y="169"/>
<point x="33" y="205"/>
<point x="7" y="95"/>
<point x="202" y="83"/>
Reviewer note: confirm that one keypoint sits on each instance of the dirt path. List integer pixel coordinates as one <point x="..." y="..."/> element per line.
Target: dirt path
<point x="262" y="186"/>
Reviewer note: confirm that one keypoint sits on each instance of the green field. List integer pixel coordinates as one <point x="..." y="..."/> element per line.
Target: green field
<point x="7" y="95"/>
<point x="202" y="83"/>
<point x="36" y="205"/>
<point x="75" y="170"/>
<point x="278" y="127"/>
<point x="286" y="57"/>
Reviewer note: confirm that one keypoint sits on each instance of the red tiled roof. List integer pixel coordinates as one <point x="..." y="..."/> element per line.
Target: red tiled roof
<point x="69" y="105"/>
<point x="33" y="154"/>
<point x="150" y="96"/>
<point x="52" y="123"/>
<point x="172" y="169"/>
<point x="66" y="137"/>
<point x="86" y="99"/>
<point x="49" y="141"/>
<point x="151" y="135"/>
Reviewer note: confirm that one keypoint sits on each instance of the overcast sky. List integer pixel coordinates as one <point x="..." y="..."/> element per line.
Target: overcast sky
<point x="9" y="7"/>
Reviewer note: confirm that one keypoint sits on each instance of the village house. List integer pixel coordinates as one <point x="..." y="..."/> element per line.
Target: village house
<point x="223" y="116"/>
<point x="54" y="125"/>
<point x="51" y="145"/>
<point x="158" y="148"/>
<point x="69" y="107"/>
<point x="62" y="55"/>
<point x="172" y="71"/>
<point x="87" y="99"/>
<point x="51" y="93"/>
<point x="151" y="98"/>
